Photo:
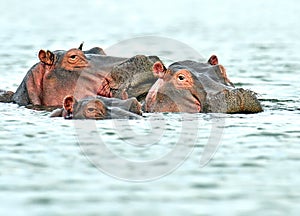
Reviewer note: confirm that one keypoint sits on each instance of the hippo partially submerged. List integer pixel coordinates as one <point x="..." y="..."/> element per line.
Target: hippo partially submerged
<point x="186" y="86"/>
<point x="98" y="108"/>
<point x="189" y="86"/>
<point x="83" y="73"/>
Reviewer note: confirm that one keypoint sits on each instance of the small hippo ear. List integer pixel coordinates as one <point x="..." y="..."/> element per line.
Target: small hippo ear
<point x="213" y="60"/>
<point x="46" y="57"/>
<point x="158" y="68"/>
<point x="68" y="103"/>
<point x="81" y="45"/>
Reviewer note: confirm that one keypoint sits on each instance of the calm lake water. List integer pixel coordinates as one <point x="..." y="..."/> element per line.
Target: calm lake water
<point x="50" y="166"/>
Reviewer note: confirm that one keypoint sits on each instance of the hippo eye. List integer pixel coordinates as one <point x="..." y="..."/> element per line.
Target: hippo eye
<point x="90" y="109"/>
<point x="73" y="57"/>
<point x="181" y="77"/>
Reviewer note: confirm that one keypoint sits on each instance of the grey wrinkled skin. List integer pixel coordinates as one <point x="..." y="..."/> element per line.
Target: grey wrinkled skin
<point x="135" y="76"/>
<point x="237" y="100"/>
<point x="130" y="104"/>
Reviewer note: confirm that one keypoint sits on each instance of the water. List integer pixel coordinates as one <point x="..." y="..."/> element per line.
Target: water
<point x="255" y="170"/>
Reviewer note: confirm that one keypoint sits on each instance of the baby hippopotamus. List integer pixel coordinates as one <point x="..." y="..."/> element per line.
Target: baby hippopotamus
<point x="98" y="108"/>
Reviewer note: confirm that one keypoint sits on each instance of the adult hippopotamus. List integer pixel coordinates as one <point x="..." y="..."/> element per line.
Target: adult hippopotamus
<point x="189" y="86"/>
<point x="83" y="73"/>
<point x="98" y="108"/>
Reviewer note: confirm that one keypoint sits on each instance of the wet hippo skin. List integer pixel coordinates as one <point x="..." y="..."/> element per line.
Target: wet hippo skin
<point x="98" y="108"/>
<point x="84" y="73"/>
<point x="190" y="86"/>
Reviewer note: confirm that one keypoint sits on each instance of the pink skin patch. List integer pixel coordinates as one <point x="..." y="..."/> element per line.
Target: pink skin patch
<point x="198" y="104"/>
<point x="151" y="96"/>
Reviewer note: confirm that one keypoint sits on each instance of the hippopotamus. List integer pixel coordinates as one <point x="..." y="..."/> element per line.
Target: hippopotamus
<point x="83" y="73"/>
<point x="98" y="108"/>
<point x="190" y="86"/>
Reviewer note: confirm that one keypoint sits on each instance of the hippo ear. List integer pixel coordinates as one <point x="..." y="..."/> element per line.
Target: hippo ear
<point x="46" y="57"/>
<point x="68" y="103"/>
<point x="81" y="45"/>
<point x="158" y="69"/>
<point x="213" y="60"/>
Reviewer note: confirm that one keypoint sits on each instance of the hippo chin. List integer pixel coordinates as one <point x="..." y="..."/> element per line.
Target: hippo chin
<point x="84" y="73"/>
<point x="189" y="86"/>
<point x="98" y="108"/>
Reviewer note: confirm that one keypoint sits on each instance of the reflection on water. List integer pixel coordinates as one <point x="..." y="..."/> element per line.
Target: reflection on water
<point x="44" y="170"/>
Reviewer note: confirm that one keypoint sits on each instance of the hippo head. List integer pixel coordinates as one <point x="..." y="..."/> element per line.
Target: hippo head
<point x="84" y="73"/>
<point x="56" y="76"/>
<point x="89" y="108"/>
<point x="98" y="108"/>
<point x="190" y="86"/>
<point x="176" y="90"/>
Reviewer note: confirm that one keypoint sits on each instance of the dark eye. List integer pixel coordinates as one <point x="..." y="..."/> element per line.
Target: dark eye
<point x="91" y="109"/>
<point x="73" y="57"/>
<point x="181" y="77"/>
